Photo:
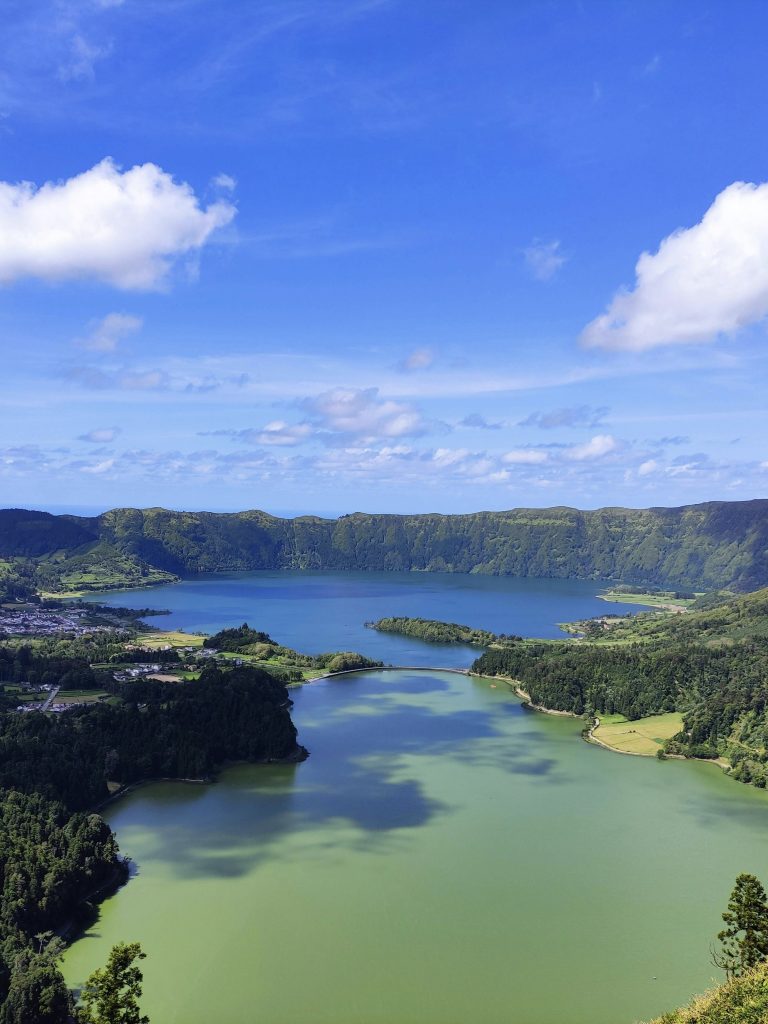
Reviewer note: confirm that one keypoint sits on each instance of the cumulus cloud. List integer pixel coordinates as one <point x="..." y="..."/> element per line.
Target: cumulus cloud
<point x="573" y="416"/>
<point x="126" y="228"/>
<point x="525" y="456"/>
<point x="362" y="413"/>
<point x="647" y="467"/>
<point x="280" y="433"/>
<point x="703" y="282"/>
<point x="277" y="433"/>
<point x="103" y="435"/>
<point x="544" y="259"/>
<point x="342" y="417"/>
<point x="597" y="447"/>
<point x="106" y="334"/>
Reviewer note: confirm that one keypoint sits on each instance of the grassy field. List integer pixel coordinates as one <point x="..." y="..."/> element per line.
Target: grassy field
<point x="172" y="637"/>
<point x="650" y="600"/>
<point x="644" y="736"/>
<point x="80" y="696"/>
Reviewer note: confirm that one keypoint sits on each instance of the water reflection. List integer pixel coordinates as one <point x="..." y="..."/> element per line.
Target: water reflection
<point x="359" y="780"/>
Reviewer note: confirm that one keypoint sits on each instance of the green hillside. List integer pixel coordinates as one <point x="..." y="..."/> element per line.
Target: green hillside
<point x="742" y="1000"/>
<point x="708" y="546"/>
<point x="710" y="665"/>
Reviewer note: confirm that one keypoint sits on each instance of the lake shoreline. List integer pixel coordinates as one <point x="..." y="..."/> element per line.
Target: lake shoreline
<point x="103" y="591"/>
<point x="299" y="755"/>
<point x="588" y="734"/>
<point x="390" y="802"/>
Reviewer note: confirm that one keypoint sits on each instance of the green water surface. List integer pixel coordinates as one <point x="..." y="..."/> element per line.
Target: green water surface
<point x="443" y="857"/>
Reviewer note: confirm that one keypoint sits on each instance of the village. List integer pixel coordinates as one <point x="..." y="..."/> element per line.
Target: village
<point x="31" y="621"/>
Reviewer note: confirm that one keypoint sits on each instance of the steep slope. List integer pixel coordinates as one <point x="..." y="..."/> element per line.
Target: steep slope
<point x="743" y="1000"/>
<point x="717" y="544"/>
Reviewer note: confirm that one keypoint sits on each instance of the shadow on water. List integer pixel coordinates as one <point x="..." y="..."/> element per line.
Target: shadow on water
<point x="357" y="790"/>
<point x="748" y="809"/>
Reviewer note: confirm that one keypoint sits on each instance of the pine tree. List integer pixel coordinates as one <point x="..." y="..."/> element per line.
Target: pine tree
<point x="744" y="940"/>
<point x="111" y="994"/>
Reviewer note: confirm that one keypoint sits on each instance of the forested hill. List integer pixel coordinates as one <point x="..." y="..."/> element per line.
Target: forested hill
<point x="707" y="546"/>
<point x="710" y="665"/>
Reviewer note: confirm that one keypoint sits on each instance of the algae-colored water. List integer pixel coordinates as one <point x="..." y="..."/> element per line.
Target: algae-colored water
<point x="443" y="857"/>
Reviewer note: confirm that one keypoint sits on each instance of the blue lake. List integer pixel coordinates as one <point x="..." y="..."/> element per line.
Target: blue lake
<point x="318" y="611"/>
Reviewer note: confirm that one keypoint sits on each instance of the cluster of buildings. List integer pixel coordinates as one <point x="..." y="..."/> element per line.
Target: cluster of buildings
<point x="136" y="672"/>
<point x="49" y="703"/>
<point x="31" y="621"/>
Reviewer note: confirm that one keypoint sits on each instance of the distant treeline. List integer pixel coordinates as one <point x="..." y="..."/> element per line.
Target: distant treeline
<point x="717" y="544"/>
<point x="25" y="664"/>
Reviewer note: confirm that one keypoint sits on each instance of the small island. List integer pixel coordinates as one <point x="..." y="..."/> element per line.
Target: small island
<point x="434" y="632"/>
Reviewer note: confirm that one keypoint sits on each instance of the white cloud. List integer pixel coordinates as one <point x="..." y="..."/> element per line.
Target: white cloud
<point x="280" y="433"/>
<point x="360" y="412"/>
<point x="450" y="456"/>
<point x="544" y="259"/>
<point x="225" y="182"/>
<point x="103" y="435"/>
<point x="419" y="359"/>
<point x="123" y="227"/>
<point x="107" y="333"/>
<point x="704" y="281"/>
<point x="82" y="58"/>
<point x="98" y="467"/>
<point x="647" y="467"/>
<point x="595" y="448"/>
<point x="524" y="456"/>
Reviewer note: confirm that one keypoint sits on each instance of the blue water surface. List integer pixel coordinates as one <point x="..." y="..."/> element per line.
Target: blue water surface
<point x="317" y="611"/>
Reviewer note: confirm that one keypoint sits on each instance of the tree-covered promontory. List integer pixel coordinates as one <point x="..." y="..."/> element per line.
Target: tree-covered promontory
<point x="708" y="546"/>
<point x="710" y="665"/>
<point x="435" y="632"/>
<point x="54" y="768"/>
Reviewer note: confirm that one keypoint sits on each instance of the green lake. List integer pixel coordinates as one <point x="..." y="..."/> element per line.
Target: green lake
<point x="444" y="857"/>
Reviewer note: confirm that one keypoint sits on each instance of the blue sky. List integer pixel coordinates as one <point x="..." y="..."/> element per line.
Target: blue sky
<point x="382" y="255"/>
